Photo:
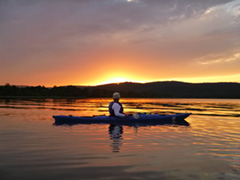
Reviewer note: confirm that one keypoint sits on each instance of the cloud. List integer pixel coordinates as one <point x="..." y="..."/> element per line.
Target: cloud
<point x="41" y="35"/>
<point x="219" y="58"/>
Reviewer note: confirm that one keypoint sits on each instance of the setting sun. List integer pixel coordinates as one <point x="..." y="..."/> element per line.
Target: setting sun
<point x="115" y="80"/>
<point x="118" y="77"/>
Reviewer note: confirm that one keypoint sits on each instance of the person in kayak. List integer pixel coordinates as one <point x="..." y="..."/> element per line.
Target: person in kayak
<point x="115" y="107"/>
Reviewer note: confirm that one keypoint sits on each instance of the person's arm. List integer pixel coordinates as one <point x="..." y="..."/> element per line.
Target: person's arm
<point x="116" y="108"/>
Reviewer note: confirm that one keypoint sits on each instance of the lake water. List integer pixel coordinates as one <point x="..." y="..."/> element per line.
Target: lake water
<point x="31" y="147"/>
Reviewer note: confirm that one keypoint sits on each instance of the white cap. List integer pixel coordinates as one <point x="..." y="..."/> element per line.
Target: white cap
<point x="116" y="95"/>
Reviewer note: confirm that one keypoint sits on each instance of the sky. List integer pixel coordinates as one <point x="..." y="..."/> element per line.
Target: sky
<point x="89" y="42"/>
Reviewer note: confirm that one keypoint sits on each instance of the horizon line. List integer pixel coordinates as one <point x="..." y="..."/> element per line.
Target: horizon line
<point x="117" y="83"/>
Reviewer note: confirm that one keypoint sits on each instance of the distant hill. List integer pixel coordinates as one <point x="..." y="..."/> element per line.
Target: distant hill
<point x="167" y="89"/>
<point x="175" y="89"/>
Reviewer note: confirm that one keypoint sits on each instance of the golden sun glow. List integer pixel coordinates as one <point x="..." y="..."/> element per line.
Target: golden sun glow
<point x="117" y="77"/>
<point x="115" y="80"/>
<point x="128" y="78"/>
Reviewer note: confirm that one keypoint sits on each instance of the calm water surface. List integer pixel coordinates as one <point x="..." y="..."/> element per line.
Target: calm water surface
<point x="31" y="147"/>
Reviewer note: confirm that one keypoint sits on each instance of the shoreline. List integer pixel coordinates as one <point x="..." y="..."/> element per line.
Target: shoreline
<point x="72" y="97"/>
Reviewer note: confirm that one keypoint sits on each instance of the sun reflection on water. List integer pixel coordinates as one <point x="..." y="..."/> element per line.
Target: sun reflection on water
<point x="210" y="145"/>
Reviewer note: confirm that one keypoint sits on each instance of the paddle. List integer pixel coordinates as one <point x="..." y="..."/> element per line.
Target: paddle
<point x="136" y="116"/>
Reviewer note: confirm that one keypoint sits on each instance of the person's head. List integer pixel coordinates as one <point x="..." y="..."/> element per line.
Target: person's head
<point x="116" y="96"/>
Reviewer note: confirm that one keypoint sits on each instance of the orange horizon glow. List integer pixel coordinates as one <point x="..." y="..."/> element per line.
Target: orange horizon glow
<point x="121" y="77"/>
<point x="126" y="78"/>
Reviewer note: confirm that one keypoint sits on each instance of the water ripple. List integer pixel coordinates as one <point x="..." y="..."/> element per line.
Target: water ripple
<point x="31" y="148"/>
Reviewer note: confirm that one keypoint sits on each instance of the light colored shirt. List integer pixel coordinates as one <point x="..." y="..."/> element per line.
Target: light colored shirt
<point x="116" y="108"/>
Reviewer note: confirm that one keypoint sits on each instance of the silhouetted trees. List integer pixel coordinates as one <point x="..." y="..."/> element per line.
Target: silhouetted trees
<point x="133" y="90"/>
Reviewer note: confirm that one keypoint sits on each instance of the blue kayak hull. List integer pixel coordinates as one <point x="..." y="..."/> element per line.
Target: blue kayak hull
<point x="129" y="120"/>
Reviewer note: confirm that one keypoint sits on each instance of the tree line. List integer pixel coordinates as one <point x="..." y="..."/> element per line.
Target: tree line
<point x="129" y="90"/>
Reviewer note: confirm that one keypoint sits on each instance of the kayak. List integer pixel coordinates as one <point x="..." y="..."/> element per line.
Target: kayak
<point x="140" y="119"/>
